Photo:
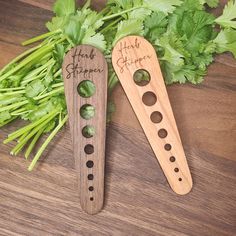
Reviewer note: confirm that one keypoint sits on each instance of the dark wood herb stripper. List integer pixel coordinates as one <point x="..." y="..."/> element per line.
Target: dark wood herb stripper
<point x="130" y="55"/>
<point x="86" y="64"/>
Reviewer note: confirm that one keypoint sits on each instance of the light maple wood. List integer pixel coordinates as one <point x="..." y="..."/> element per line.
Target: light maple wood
<point x="134" y="53"/>
<point x="80" y="64"/>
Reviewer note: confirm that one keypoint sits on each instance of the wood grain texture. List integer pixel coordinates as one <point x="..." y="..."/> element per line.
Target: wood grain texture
<point x="131" y="55"/>
<point x="87" y="64"/>
<point x="138" y="200"/>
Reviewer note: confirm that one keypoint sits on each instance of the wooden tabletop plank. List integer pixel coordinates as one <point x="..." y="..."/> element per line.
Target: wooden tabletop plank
<point x="138" y="198"/>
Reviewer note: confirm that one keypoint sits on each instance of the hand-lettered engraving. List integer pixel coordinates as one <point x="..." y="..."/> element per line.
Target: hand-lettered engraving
<point x="75" y="68"/>
<point x="126" y="59"/>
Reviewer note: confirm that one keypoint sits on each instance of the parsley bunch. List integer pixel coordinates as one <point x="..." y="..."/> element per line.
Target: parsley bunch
<point x="182" y="32"/>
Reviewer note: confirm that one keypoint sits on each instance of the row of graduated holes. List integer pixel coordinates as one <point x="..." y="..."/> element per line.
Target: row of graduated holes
<point x="150" y="99"/>
<point x="88" y="149"/>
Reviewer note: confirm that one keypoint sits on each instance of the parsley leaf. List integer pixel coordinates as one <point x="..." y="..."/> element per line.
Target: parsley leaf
<point x="227" y="20"/>
<point x="96" y="40"/>
<point x="129" y="27"/>
<point x="64" y="7"/>
<point x="155" y="25"/>
<point x="73" y="30"/>
<point x="4" y="116"/>
<point x="58" y="54"/>
<point x="226" y="41"/>
<point x="140" y="13"/>
<point x="171" y="44"/>
<point x="166" y="6"/>
<point x="57" y="23"/>
<point x="34" y="88"/>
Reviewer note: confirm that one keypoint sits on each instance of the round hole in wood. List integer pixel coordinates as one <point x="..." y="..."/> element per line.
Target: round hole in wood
<point x="156" y="117"/>
<point x="162" y="133"/>
<point x="89" y="149"/>
<point x="88" y="131"/>
<point x="180" y="179"/>
<point x="90" y="164"/>
<point x="149" y="98"/>
<point x="168" y="147"/>
<point x="172" y="159"/>
<point x="86" y="89"/>
<point x="87" y="111"/>
<point x="91" y="199"/>
<point x="90" y="177"/>
<point x="91" y="188"/>
<point x="176" y="169"/>
<point x="142" y="77"/>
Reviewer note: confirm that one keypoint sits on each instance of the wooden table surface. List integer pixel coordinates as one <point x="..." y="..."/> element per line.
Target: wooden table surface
<point x="138" y="198"/>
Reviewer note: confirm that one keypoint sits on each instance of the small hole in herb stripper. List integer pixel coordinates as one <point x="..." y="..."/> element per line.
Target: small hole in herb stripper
<point x="167" y="147"/>
<point x="91" y="188"/>
<point x="156" y="117"/>
<point x="162" y="133"/>
<point x="88" y="131"/>
<point x="89" y="149"/>
<point x="90" y="164"/>
<point x="90" y="177"/>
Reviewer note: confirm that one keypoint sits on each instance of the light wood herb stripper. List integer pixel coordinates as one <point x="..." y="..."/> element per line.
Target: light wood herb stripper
<point x="130" y="55"/>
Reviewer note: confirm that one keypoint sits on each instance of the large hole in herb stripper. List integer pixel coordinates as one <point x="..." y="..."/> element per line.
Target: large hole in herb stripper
<point x="86" y="89"/>
<point x="87" y="111"/>
<point x="141" y="77"/>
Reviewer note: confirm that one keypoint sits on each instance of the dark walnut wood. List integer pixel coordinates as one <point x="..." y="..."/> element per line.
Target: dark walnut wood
<point x="138" y="200"/>
<point x="86" y="64"/>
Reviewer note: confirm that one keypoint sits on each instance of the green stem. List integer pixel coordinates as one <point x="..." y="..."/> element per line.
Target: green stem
<point x="14" y="93"/>
<point x="45" y="144"/>
<point x="7" y="121"/>
<point x="58" y="73"/>
<point x="41" y="101"/>
<point x="11" y="89"/>
<point x="19" y="104"/>
<point x="30" y="59"/>
<point x="57" y="85"/>
<point x="86" y="5"/>
<point x="40" y="37"/>
<point x="22" y="137"/>
<point x="104" y="11"/>
<point x="32" y="144"/>
<point x="18" y="112"/>
<point x="27" y="60"/>
<point x="27" y="128"/>
<point x="110" y="25"/>
<point x="119" y="13"/>
<point x="19" y="58"/>
<point x="25" y="82"/>
<point x="113" y="81"/>
<point x="24" y="140"/>
<point x="50" y="93"/>
<point x="38" y="72"/>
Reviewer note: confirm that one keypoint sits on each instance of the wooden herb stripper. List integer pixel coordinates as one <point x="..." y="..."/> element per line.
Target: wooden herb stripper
<point x="130" y="55"/>
<point x="85" y="78"/>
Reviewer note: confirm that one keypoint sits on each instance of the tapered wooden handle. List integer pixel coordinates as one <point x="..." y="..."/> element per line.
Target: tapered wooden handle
<point x="156" y="118"/>
<point x="85" y="77"/>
